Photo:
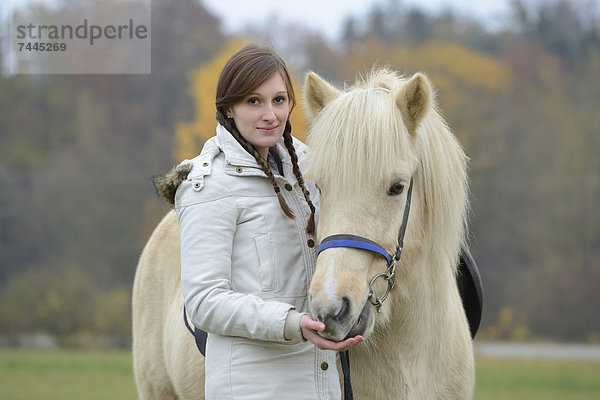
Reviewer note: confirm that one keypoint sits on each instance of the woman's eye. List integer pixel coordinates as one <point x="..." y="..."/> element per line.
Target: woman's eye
<point x="253" y="100"/>
<point x="280" y="100"/>
<point x="396" y="189"/>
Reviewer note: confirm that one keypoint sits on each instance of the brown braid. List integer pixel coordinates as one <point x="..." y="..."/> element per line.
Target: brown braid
<point x="263" y="166"/>
<point x="289" y="145"/>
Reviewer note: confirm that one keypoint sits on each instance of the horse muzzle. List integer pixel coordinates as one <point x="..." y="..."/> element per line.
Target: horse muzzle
<point x="342" y="322"/>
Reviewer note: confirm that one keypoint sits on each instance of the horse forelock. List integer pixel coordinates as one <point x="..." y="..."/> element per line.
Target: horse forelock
<point x="359" y="137"/>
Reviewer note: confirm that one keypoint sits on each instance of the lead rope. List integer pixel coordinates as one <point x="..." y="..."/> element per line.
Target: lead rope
<point x="345" y="359"/>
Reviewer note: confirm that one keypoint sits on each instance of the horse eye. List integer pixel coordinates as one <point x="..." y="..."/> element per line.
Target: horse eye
<point x="396" y="189"/>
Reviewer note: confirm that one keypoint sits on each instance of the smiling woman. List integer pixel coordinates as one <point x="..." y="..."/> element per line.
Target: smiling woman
<point x="262" y="116"/>
<point x="245" y="231"/>
<point x="251" y="86"/>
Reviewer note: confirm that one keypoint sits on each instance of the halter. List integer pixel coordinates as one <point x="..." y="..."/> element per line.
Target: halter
<point x="359" y="242"/>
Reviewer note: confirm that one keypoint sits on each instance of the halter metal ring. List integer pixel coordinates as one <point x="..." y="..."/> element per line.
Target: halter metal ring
<point x="390" y="277"/>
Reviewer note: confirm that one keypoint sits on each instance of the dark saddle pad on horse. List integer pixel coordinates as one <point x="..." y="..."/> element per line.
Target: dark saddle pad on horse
<point x="469" y="286"/>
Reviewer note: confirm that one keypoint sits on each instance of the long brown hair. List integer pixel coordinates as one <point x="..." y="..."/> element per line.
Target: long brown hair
<point x="242" y="74"/>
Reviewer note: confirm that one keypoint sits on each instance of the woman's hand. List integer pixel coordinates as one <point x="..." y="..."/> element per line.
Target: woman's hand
<point x="310" y="329"/>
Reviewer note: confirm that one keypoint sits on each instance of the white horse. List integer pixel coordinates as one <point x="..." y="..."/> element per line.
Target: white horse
<point x="370" y="147"/>
<point x="367" y="145"/>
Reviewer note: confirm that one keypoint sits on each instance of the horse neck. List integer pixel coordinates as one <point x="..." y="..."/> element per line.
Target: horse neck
<point x="411" y="341"/>
<point x="422" y="302"/>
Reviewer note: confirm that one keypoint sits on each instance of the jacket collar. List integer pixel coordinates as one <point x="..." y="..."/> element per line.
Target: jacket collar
<point x="236" y="155"/>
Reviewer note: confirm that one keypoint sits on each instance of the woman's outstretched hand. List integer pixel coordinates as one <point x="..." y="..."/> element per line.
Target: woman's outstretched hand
<point x="310" y="329"/>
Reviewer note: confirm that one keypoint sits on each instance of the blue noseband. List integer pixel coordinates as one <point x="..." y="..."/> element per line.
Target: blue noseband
<point x="353" y="241"/>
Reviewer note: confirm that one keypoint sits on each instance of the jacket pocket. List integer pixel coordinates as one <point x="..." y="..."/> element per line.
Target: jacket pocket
<point x="266" y="264"/>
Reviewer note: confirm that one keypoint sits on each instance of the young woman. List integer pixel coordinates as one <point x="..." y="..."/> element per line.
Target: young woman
<point x="247" y="222"/>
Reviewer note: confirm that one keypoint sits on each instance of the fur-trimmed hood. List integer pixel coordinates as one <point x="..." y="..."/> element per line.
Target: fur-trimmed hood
<point x="166" y="185"/>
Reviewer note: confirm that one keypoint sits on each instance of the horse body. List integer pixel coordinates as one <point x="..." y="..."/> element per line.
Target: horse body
<point x="166" y="363"/>
<point x="367" y="144"/>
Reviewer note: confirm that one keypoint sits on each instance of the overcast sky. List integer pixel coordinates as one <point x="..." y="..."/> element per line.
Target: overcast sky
<point x="327" y="15"/>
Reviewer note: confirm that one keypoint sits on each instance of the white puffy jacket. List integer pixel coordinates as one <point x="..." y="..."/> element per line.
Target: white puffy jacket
<point x="245" y="273"/>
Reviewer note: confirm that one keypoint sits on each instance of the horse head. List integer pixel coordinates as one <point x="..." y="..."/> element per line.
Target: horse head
<point x="369" y="145"/>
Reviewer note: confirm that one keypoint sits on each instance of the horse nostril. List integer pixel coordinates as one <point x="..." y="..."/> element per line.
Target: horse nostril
<point x="338" y="314"/>
<point x="344" y="310"/>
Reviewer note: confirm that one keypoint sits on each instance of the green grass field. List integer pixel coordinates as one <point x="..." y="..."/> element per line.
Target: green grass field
<point x="66" y="375"/>
<point x="537" y="380"/>
<point x="93" y="375"/>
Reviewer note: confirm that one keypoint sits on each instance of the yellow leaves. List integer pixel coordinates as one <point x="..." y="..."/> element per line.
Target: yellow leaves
<point x="112" y="311"/>
<point x="449" y="65"/>
<point x="467" y="66"/>
<point x="468" y="83"/>
<point x="297" y="118"/>
<point x="506" y="327"/>
<point x="190" y="136"/>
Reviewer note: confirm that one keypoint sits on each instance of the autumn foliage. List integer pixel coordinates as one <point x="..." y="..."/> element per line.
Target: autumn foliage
<point x="77" y="154"/>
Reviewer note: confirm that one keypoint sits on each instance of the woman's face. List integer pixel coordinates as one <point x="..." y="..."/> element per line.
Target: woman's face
<point x="262" y="115"/>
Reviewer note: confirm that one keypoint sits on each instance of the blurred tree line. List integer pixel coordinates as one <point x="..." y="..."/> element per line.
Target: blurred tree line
<point x="77" y="153"/>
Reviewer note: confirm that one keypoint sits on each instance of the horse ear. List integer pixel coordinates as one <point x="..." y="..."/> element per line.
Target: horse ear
<point x="318" y="93"/>
<point x="414" y="100"/>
